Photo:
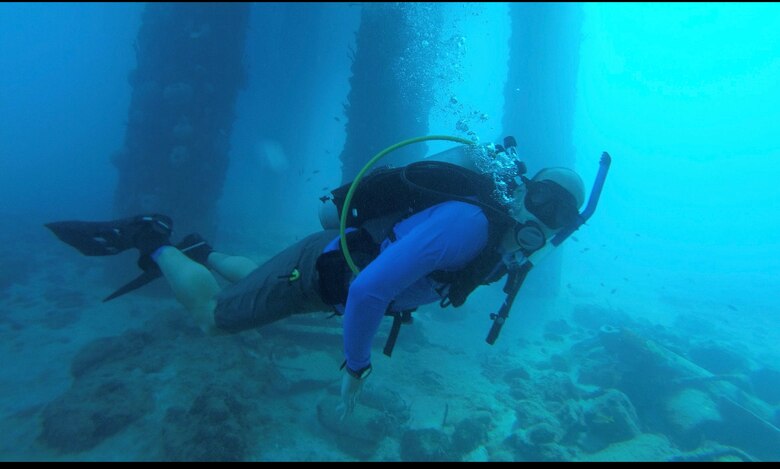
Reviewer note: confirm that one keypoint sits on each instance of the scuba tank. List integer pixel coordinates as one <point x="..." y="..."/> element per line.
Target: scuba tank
<point x="482" y="175"/>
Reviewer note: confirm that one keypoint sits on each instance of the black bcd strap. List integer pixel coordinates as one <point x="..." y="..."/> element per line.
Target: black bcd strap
<point x="399" y="317"/>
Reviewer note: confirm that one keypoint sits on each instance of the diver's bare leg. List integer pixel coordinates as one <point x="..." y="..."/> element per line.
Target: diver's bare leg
<point x="192" y="284"/>
<point x="232" y="268"/>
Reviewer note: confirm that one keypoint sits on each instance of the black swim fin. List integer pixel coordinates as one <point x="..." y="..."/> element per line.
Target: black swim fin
<point x="136" y="283"/>
<point x="109" y="237"/>
<point x="193" y="246"/>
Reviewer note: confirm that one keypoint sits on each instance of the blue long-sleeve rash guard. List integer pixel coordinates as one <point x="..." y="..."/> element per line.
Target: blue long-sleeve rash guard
<point x="446" y="236"/>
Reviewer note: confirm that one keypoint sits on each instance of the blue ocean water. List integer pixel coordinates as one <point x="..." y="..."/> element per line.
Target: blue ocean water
<point x="660" y="344"/>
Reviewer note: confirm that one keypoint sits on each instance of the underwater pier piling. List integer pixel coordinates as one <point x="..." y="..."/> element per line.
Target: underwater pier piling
<point x="541" y="87"/>
<point x="190" y="68"/>
<point x="539" y="99"/>
<point x="392" y="83"/>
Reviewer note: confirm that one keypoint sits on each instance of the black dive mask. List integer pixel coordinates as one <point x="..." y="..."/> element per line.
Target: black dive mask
<point x="550" y="203"/>
<point x="529" y="236"/>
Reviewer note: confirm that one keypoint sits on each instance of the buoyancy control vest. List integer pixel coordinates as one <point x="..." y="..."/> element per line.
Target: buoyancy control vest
<point x="396" y="193"/>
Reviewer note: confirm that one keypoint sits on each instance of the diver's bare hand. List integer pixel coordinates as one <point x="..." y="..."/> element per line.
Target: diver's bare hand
<point x="351" y="386"/>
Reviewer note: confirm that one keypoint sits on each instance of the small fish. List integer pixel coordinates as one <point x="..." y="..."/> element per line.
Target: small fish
<point x="324" y="188"/>
<point x="315" y="171"/>
<point x="324" y="199"/>
<point x="636" y="234"/>
<point x="613" y="291"/>
<point x="584" y="249"/>
<point x="574" y="238"/>
<point x="336" y="119"/>
<point x="308" y="179"/>
<point x="732" y="307"/>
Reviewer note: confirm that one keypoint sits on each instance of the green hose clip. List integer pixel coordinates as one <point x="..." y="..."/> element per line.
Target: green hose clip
<point x="293" y="276"/>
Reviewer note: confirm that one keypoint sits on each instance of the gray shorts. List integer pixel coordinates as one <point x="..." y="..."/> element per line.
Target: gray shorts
<point x="272" y="291"/>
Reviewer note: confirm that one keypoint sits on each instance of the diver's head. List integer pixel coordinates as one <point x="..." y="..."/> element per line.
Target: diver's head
<point x="544" y="204"/>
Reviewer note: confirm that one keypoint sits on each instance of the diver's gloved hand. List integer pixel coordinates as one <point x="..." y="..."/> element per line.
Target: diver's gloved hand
<point x="351" y="386"/>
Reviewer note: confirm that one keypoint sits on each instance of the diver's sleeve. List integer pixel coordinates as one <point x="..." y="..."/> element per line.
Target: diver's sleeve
<point x="446" y="236"/>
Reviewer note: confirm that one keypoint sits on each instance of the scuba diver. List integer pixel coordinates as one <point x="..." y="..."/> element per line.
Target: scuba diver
<point x="399" y="238"/>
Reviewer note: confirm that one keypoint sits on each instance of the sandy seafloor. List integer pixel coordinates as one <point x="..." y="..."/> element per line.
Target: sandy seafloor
<point x="133" y="379"/>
